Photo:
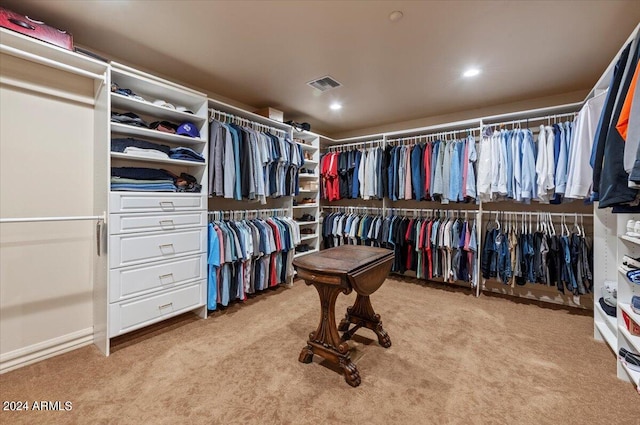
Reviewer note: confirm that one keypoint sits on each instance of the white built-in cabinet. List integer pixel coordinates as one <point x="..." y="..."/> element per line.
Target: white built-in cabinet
<point x="308" y="198"/>
<point x="612" y="244"/>
<point x="53" y="106"/>
<point x="156" y="244"/>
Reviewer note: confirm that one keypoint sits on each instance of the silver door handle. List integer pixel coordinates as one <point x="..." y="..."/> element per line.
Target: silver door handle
<point x="160" y="307"/>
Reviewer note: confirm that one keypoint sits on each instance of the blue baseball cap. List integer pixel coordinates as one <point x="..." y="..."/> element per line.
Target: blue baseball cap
<point x="188" y="129"/>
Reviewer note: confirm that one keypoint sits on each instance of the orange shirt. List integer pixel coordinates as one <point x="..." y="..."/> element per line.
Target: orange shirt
<point x="623" y="122"/>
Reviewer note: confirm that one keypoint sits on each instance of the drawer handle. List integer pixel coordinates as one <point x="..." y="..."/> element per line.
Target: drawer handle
<point x="167" y="222"/>
<point x="164" y="276"/>
<point x="167" y="204"/>
<point x="167" y="245"/>
<point x="160" y="307"/>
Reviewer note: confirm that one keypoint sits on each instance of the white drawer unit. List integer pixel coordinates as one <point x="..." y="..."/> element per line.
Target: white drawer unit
<point x="128" y="250"/>
<point x="129" y="315"/>
<point x="134" y="223"/>
<point x="129" y="282"/>
<point x="155" y="202"/>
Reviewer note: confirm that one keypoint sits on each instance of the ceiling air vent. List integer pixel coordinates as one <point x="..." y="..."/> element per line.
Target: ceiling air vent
<point x="324" y="84"/>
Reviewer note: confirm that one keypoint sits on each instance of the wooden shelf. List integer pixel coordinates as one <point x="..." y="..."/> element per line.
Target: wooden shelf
<point x="308" y="237"/>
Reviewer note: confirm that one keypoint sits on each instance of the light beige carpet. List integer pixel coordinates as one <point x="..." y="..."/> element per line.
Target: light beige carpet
<point x="455" y="359"/>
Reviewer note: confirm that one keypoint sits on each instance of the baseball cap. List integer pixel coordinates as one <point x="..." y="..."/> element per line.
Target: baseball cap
<point x="163" y="103"/>
<point x="188" y="129"/>
<point x="184" y="109"/>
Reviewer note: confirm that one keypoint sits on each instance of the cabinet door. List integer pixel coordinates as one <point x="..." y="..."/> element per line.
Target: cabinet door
<point x="128" y="250"/>
<point x="129" y="282"/>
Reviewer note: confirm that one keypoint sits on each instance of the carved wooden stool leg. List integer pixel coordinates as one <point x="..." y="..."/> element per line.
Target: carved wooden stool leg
<point x="306" y="355"/>
<point x="325" y="341"/>
<point x="351" y="374"/>
<point x="362" y="315"/>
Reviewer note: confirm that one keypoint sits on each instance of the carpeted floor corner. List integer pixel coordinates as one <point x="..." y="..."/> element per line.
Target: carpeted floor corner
<point x="455" y="359"/>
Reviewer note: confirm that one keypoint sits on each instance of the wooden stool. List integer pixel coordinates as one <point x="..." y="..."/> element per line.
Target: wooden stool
<point x="343" y="269"/>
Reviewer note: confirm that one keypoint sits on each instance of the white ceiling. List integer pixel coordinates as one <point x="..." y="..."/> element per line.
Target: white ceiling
<point x="262" y="53"/>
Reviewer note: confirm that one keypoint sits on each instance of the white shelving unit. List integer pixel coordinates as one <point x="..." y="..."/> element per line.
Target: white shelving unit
<point x="156" y="243"/>
<point x="626" y="245"/>
<point x="309" y="189"/>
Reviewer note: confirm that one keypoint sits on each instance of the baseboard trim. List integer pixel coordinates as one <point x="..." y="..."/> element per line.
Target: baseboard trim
<point x="44" y="350"/>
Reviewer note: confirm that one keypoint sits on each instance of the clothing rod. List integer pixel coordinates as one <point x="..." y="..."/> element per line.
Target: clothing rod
<point x="345" y="207"/>
<point x="51" y="63"/>
<point x="542" y="118"/>
<point x="437" y="134"/>
<point x="43" y="219"/>
<point x="532" y="213"/>
<point x="371" y="142"/>
<point x="250" y="211"/>
<point x="214" y="112"/>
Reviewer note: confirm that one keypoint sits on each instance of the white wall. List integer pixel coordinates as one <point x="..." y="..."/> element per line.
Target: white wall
<point x="46" y="169"/>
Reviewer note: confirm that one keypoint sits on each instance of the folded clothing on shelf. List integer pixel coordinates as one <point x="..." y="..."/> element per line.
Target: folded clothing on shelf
<point x="186" y="154"/>
<point x="126" y="92"/>
<point x="152" y="180"/>
<point x="635" y="304"/>
<point x="147" y="153"/>
<point x="634" y="275"/>
<point x="128" y="118"/>
<point x="120" y="145"/>
<point x="303" y="248"/>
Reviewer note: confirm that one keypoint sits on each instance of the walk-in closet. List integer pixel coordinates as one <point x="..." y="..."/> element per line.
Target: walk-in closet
<point x="320" y="212"/>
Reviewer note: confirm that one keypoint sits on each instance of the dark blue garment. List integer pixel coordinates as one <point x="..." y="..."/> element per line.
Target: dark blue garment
<point x="504" y="257"/>
<point x="417" y="180"/>
<point x="528" y="253"/>
<point x="186" y="154"/>
<point x="613" y="189"/>
<point x="355" y="189"/>
<point x="119" y="145"/>
<point x="141" y="173"/>
<point x="489" y="258"/>
<point x="605" y="119"/>
<point x="394" y="188"/>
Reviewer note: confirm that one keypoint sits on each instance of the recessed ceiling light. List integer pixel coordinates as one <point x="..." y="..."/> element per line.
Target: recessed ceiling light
<point x="395" y="16"/>
<point x="471" y="72"/>
<point x="335" y="106"/>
